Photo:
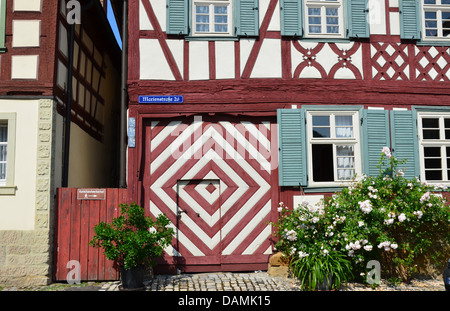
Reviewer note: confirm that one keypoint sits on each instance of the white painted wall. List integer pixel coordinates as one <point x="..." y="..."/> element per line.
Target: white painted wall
<point x="17" y="212"/>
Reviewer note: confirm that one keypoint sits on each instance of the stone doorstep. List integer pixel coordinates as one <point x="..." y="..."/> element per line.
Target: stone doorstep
<point x="278" y="266"/>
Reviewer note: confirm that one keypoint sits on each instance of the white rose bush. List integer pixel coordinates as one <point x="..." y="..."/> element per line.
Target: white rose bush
<point x="385" y="217"/>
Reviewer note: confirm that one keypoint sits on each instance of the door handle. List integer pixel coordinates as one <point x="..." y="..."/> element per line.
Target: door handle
<point x="183" y="211"/>
<point x="180" y="211"/>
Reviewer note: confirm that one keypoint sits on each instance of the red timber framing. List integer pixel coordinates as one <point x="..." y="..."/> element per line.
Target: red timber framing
<point x="384" y="58"/>
<point x="43" y="85"/>
<point x="392" y="73"/>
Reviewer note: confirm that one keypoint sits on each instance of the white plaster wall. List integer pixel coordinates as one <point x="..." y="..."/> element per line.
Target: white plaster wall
<point x="159" y="7"/>
<point x="153" y="63"/>
<point x="268" y="62"/>
<point x="17" y="212"/>
<point x="26" y="33"/>
<point x="198" y="60"/>
<point x="24" y="67"/>
<point x="377" y="17"/>
<point x="225" y="60"/>
<point x="27" y="5"/>
<point x="144" y="21"/>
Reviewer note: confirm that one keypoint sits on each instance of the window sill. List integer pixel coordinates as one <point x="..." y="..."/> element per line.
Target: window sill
<point x="433" y="43"/>
<point x="325" y="39"/>
<point x="330" y="189"/>
<point x="211" y="38"/>
<point x="8" y="190"/>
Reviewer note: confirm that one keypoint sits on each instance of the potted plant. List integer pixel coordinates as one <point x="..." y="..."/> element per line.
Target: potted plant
<point x="133" y="240"/>
<point x="325" y="271"/>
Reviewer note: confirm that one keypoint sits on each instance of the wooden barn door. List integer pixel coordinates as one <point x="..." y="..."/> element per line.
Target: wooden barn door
<point x="212" y="176"/>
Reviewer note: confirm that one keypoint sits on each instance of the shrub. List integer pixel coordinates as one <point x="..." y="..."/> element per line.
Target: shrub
<point x="385" y="217"/>
<point x="132" y="239"/>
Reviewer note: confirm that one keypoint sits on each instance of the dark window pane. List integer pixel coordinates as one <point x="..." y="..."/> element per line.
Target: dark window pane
<point x="447" y="134"/>
<point x="433" y="163"/>
<point x="321" y="120"/>
<point x="430" y="134"/>
<point x="322" y="158"/>
<point x="446" y="31"/>
<point x="432" y="151"/>
<point x="321" y="132"/>
<point x="433" y="175"/>
<point x="448" y="163"/>
<point x="447" y="123"/>
<point x="430" y="123"/>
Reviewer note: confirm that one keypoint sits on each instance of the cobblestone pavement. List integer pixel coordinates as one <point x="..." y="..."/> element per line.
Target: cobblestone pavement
<point x="255" y="281"/>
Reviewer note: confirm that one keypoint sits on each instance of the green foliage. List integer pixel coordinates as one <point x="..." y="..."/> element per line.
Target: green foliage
<point x="385" y="217"/>
<point x="132" y="238"/>
<point x="322" y="271"/>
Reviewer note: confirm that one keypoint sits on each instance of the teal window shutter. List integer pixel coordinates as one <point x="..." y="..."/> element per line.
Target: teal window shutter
<point x="404" y="141"/>
<point x="410" y="19"/>
<point x="247" y="13"/>
<point x="375" y="137"/>
<point x="358" y="19"/>
<point x="291" y="18"/>
<point x="2" y="25"/>
<point x="292" y="166"/>
<point x="177" y="17"/>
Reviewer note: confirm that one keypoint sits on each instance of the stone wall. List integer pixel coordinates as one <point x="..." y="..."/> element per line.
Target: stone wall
<point x="26" y="256"/>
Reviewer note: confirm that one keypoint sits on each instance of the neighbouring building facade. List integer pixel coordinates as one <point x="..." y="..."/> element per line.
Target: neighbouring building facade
<point x="236" y="105"/>
<point x="37" y="67"/>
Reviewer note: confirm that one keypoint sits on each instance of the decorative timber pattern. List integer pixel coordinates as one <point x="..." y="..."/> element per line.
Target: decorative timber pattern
<point x="212" y="179"/>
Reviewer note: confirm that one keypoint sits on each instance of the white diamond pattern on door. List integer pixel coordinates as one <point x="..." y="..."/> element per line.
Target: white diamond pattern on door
<point x="213" y="180"/>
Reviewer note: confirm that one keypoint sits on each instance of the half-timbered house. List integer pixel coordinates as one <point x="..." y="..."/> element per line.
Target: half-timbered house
<point x="236" y="105"/>
<point x="55" y="57"/>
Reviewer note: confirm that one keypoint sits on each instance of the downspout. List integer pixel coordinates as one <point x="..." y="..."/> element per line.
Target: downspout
<point x="65" y="173"/>
<point x="124" y="99"/>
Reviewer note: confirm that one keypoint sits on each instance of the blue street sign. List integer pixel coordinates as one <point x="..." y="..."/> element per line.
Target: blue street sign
<point x="161" y="99"/>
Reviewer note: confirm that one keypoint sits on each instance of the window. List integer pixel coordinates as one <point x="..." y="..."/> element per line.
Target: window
<point x="436" y="17"/>
<point x="3" y="151"/>
<point x="326" y="146"/>
<point x="7" y="150"/>
<point x="434" y="140"/>
<point x="333" y="147"/>
<point x="324" y="18"/>
<point x="212" y="17"/>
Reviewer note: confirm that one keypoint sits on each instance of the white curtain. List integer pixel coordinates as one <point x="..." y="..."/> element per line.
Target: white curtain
<point x="345" y="162"/>
<point x="344" y="126"/>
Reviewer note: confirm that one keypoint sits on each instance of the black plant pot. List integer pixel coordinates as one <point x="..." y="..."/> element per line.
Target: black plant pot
<point x="132" y="278"/>
<point x="326" y="285"/>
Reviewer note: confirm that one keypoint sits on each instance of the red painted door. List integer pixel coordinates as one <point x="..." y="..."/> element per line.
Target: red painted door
<point x="213" y="178"/>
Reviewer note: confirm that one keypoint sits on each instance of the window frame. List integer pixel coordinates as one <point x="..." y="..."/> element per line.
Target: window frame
<point x="323" y="5"/>
<point x="438" y="8"/>
<point x="211" y="4"/>
<point x="7" y="187"/>
<point x="442" y="143"/>
<point x="355" y="141"/>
